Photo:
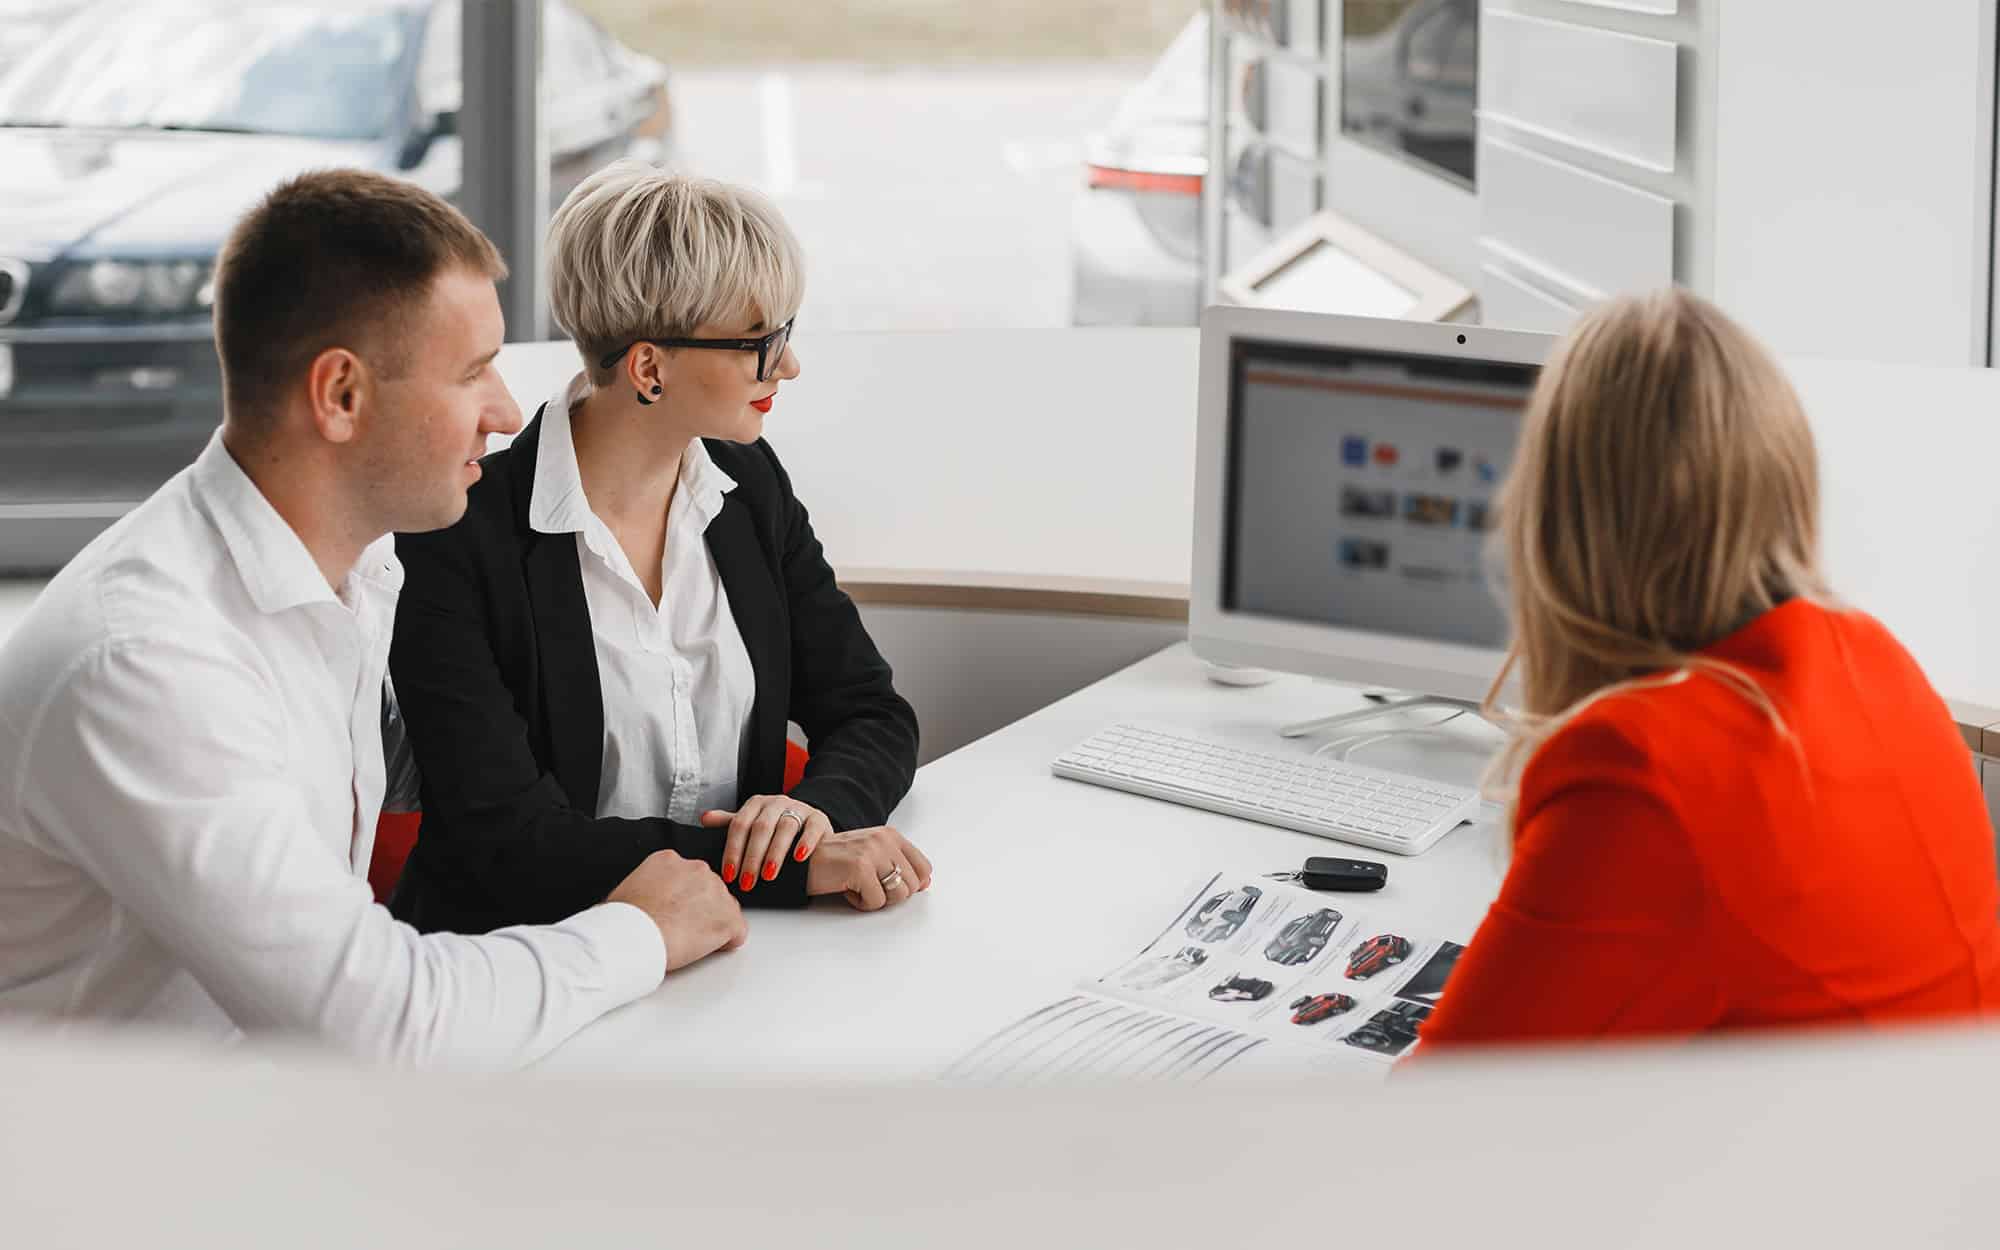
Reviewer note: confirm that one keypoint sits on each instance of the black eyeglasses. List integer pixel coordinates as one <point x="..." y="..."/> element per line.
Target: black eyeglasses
<point x="770" y="348"/>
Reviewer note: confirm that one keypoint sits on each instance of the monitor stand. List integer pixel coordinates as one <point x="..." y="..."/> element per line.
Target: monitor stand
<point x="1415" y="703"/>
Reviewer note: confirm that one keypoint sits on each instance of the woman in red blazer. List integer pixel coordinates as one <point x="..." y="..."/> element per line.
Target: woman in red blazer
<point x="1742" y="806"/>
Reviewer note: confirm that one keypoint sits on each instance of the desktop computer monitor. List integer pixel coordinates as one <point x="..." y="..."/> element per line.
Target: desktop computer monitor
<point x="1346" y="469"/>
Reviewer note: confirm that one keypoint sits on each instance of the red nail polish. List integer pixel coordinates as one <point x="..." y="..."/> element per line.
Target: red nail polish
<point x="771" y="871"/>
<point x="728" y="873"/>
<point x="748" y="879"/>
<point x="800" y="854"/>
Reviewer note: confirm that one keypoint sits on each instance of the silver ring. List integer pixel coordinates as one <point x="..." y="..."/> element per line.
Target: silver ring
<point x="794" y="815"/>
<point x="891" y="879"/>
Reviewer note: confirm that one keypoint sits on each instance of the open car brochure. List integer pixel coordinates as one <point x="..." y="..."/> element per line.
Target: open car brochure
<point x="1251" y="973"/>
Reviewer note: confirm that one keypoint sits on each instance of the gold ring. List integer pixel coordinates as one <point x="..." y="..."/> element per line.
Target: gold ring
<point x="891" y="879"/>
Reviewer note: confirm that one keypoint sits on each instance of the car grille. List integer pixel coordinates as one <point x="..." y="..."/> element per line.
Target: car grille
<point x="13" y="288"/>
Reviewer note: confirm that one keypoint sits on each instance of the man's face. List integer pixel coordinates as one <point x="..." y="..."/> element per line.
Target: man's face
<point x="430" y="424"/>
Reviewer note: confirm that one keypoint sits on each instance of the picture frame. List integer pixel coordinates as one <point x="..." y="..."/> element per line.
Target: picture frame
<point x="1329" y="264"/>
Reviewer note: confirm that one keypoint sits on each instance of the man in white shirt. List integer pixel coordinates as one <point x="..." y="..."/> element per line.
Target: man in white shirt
<point x="190" y="746"/>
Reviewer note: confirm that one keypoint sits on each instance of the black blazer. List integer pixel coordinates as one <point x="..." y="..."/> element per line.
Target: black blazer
<point x="495" y="670"/>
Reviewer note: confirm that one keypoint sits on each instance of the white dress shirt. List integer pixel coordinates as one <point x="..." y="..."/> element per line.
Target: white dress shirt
<point x="676" y="679"/>
<point x="190" y="773"/>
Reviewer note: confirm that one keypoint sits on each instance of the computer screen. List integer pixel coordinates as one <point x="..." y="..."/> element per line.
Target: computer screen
<point x="1360" y="484"/>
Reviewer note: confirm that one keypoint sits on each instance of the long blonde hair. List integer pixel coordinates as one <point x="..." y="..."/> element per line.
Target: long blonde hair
<point x="1665" y="492"/>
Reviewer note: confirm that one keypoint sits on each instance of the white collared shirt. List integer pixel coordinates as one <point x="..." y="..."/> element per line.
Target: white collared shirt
<point x="676" y="679"/>
<point x="190" y="773"/>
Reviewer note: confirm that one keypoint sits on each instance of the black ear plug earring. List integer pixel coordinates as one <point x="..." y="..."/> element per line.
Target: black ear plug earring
<point x="640" y="396"/>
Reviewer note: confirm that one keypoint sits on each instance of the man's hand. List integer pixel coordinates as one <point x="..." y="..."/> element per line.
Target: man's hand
<point x="761" y="831"/>
<point x="690" y="904"/>
<point x="874" y="868"/>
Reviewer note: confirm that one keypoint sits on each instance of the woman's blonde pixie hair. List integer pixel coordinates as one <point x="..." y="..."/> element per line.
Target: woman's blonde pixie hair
<point x="636" y="252"/>
<point x="1666" y="492"/>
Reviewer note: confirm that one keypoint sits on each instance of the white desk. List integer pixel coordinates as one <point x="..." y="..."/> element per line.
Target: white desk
<point x="1040" y="881"/>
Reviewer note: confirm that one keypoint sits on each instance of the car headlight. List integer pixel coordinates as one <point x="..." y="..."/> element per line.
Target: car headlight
<point x="121" y="286"/>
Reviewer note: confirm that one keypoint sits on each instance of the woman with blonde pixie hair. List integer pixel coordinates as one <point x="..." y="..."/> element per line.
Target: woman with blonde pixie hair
<point x="599" y="662"/>
<point x="1739" y="805"/>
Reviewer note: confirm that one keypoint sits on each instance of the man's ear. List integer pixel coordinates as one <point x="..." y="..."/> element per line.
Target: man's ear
<point x="337" y="386"/>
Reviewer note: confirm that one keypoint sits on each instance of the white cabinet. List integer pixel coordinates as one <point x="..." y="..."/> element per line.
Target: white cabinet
<point x="1600" y="91"/>
<point x="1579" y="234"/>
<point x="1823" y="171"/>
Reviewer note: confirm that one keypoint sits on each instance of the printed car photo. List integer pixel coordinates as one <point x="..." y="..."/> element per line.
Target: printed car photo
<point x="1223" y="914"/>
<point x="1161" y="970"/>
<point x="1313" y="1008"/>
<point x="1384" y="950"/>
<point x="1303" y="938"/>
<point x="1241" y="989"/>
<point x="1390" y="1031"/>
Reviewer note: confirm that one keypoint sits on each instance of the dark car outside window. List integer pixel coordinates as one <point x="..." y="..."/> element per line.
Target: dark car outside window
<point x="319" y="71"/>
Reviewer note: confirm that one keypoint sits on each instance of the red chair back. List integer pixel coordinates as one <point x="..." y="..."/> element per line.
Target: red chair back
<point x="395" y="838"/>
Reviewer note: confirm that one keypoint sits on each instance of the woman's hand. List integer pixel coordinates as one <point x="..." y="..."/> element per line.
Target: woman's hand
<point x="874" y="868"/>
<point x="761" y="831"/>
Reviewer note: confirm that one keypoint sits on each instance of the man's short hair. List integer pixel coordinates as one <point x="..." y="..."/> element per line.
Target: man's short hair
<point x="636" y="252"/>
<point x="334" y="258"/>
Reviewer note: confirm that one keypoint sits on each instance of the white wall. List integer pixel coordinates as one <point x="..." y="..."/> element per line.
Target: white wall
<point x="968" y="673"/>
<point x="1853" y="173"/>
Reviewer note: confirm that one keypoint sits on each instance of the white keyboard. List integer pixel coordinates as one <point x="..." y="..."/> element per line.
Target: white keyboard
<point x="1366" y="806"/>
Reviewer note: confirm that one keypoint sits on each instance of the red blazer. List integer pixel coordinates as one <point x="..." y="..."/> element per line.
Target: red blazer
<point x="1678" y="867"/>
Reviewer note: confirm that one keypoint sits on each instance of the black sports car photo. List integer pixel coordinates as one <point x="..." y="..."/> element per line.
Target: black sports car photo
<point x="1303" y="938"/>
<point x="1238" y="989"/>
<point x="1390" y="1031"/>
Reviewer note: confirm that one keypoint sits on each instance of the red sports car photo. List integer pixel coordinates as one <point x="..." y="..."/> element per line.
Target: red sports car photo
<point x="1381" y="951"/>
<point x="1314" y="1008"/>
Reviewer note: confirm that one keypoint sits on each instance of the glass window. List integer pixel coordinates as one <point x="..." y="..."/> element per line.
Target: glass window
<point x="1410" y="80"/>
<point x="208" y="65"/>
<point x="139" y="131"/>
<point x="945" y="163"/>
<point x="439" y="87"/>
<point x="571" y="53"/>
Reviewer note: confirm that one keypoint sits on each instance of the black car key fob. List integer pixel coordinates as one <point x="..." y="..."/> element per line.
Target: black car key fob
<point x="1323" y="872"/>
